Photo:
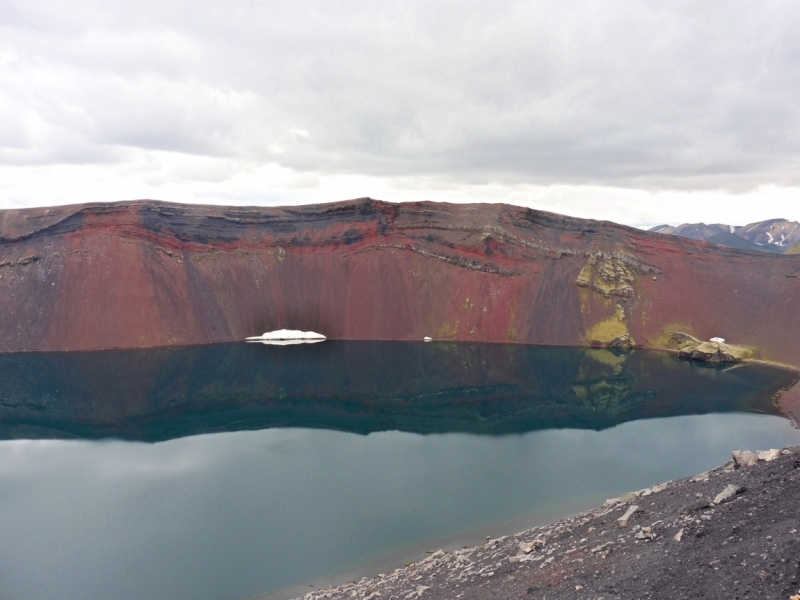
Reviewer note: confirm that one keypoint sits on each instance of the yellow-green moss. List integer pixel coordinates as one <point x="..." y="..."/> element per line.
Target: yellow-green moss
<point x="666" y="337"/>
<point x="609" y="329"/>
<point x="609" y="276"/>
<point x="446" y="331"/>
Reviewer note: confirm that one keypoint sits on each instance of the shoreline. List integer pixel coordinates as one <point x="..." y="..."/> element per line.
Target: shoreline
<point x="417" y="551"/>
<point x="728" y="532"/>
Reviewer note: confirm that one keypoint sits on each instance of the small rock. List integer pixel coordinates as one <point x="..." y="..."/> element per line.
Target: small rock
<point x="679" y="535"/>
<point x="768" y="455"/>
<point x="623" y="520"/>
<point x="645" y="534"/>
<point x="628" y="497"/>
<point x="601" y="547"/>
<point x="728" y="493"/>
<point x="744" y="458"/>
<point x="528" y="547"/>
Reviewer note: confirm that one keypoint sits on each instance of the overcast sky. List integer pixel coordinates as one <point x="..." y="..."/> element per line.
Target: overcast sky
<point x="640" y="112"/>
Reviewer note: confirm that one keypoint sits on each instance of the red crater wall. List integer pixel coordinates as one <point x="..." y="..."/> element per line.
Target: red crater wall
<point x="146" y="273"/>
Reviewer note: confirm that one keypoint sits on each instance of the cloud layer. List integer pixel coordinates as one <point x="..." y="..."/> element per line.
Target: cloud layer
<point x="642" y="95"/>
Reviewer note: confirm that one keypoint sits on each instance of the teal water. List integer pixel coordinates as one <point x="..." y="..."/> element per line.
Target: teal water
<point x="224" y="472"/>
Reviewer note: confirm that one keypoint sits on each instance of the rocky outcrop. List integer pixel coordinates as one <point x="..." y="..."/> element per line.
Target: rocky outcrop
<point x="716" y="353"/>
<point x="678" y="340"/>
<point x="613" y="275"/>
<point x="623" y="342"/>
<point x="146" y="273"/>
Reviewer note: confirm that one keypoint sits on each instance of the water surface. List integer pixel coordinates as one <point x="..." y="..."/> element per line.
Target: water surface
<point x="223" y="472"/>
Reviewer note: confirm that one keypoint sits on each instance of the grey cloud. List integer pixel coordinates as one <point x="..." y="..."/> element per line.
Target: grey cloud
<point x="649" y="94"/>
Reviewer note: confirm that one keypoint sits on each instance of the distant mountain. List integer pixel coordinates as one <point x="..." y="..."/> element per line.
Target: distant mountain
<point x="775" y="232"/>
<point x="731" y="239"/>
<point x="695" y="231"/>
<point x="773" y="235"/>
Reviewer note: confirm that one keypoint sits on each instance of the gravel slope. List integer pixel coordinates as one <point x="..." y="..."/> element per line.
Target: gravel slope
<point x="684" y="539"/>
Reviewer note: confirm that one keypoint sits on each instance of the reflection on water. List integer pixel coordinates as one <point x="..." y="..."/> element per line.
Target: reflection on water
<point x="239" y="513"/>
<point x="360" y="387"/>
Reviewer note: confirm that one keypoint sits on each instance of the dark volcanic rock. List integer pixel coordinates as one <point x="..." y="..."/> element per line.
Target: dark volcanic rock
<point x="145" y="273"/>
<point x="623" y="342"/>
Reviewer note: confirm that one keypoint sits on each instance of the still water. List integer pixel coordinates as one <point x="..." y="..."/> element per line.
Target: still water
<point x="231" y="471"/>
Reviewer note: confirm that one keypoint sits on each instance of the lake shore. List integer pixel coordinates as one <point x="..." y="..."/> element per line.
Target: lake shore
<point x="683" y="539"/>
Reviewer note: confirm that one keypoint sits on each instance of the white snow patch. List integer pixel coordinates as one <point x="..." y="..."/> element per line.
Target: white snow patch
<point x="718" y="340"/>
<point x="288" y="336"/>
<point x="733" y="229"/>
<point x="284" y="342"/>
<point x="427" y="339"/>
<point x="771" y="239"/>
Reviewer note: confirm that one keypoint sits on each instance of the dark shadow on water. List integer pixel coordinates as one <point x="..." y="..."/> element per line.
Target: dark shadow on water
<point x="361" y="387"/>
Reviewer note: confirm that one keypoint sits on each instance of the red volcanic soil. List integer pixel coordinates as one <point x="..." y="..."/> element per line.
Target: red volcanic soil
<point x="146" y="273"/>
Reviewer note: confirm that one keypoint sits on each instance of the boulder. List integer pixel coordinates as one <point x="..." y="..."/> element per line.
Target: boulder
<point x="623" y="520"/>
<point x="768" y="455"/>
<point x="622" y="342"/>
<point x="744" y="458"/>
<point x="728" y="493"/>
